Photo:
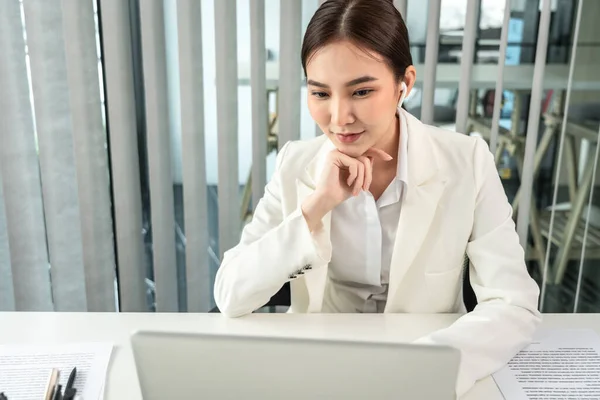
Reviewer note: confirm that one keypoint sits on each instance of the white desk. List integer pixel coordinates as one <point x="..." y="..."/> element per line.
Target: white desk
<point x="483" y="76"/>
<point x="116" y="328"/>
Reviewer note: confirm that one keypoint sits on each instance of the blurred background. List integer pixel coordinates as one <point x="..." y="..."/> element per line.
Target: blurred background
<point x="137" y="136"/>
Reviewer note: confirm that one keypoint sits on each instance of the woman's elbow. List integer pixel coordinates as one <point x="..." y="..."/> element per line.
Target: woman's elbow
<point x="228" y="305"/>
<point x="227" y="296"/>
<point x="232" y="312"/>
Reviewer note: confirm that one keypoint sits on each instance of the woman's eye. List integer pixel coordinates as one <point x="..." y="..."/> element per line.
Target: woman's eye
<point x="319" y="95"/>
<point x="362" y="93"/>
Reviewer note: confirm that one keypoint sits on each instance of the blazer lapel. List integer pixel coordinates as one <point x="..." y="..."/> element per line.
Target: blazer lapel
<point x="316" y="279"/>
<point x="425" y="188"/>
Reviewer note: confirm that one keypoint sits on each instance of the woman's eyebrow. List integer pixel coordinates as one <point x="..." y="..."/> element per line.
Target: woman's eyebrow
<point x="318" y="84"/>
<point x="353" y="82"/>
<point x="360" y="80"/>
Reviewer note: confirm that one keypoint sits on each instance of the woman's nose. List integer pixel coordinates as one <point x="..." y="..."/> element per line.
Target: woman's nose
<point x="341" y="113"/>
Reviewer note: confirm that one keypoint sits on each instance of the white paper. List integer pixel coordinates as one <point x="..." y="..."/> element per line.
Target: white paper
<point x="558" y="364"/>
<point x="24" y="369"/>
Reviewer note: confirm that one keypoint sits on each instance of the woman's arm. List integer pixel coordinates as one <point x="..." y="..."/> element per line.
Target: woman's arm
<point x="506" y="316"/>
<point x="272" y="251"/>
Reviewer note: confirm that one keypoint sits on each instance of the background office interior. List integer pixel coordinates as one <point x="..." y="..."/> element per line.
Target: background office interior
<point x="116" y="140"/>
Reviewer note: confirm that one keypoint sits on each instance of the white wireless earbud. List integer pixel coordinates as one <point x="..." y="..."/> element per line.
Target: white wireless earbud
<point x="404" y="89"/>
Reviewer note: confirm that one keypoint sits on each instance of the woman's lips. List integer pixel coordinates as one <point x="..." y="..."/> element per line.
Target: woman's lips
<point x="348" y="137"/>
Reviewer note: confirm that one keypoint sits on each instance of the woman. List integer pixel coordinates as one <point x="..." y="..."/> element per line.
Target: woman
<point x="377" y="214"/>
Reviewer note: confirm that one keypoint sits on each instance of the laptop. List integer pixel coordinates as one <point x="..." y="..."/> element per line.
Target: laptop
<point x="172" y="365"/>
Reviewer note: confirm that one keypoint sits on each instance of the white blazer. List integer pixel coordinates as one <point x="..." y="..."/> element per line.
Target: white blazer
<point x="455" y="205"/>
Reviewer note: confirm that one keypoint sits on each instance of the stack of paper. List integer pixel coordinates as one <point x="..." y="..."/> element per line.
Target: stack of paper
<point x="24" y="369"/>
<point x="559" y="364"/>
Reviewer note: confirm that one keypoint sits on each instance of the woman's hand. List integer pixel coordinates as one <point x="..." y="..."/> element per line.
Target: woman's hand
<point x="342" y="177"/>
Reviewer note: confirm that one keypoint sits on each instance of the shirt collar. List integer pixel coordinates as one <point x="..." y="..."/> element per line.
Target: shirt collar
<point x="402" y="169"/>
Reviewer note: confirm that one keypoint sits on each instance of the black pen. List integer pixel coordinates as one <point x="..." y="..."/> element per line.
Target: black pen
<point x="69" y="389"/>
<point x="3" y="396"/>
<point x="57" y="393"/>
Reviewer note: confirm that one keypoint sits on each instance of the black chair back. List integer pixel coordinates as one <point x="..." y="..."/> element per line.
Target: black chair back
<point x="469" y="297"/>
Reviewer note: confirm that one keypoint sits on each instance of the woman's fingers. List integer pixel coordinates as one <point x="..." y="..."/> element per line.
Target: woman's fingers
<point x="360" y="169"/>
<point x="378" y="153"/>
<point x="366" y="161"/>
<point x="345" y="162"/>
<point x="352" y="172"/>
<point x="360" y="179"/>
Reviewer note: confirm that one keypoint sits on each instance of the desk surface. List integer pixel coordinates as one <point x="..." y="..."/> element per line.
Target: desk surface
<point x="47" y="328"/>
<point x="483" y="76"/>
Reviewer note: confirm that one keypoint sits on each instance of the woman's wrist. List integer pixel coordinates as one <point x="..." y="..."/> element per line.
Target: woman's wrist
<point x="314" y="208"/>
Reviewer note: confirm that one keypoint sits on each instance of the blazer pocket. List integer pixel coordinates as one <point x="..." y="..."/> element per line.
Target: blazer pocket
<point x="442" y="265"/>
<point x="443" y="288"/>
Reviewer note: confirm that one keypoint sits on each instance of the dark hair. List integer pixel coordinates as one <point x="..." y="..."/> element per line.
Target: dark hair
<point x="374" y="25"/>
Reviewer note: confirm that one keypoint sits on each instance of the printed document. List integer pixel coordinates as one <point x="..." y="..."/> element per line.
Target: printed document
<point x="25" y="369"/>
<point x="558" y="364"/>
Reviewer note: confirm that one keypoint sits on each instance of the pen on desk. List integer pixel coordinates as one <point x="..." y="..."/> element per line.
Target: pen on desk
<point x="70" y="391"/>
<point x="57" y="393"/>
<point x="52" y="381"/>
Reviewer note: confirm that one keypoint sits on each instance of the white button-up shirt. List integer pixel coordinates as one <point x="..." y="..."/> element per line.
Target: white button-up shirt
<point x="363" y="233"/>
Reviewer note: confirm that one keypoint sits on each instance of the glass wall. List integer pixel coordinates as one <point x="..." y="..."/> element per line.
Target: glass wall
<point x="566" y="191"/>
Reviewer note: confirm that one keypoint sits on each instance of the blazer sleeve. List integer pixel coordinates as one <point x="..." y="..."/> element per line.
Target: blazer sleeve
<point x="274" y="249"/>
<point x="506" y="316"/>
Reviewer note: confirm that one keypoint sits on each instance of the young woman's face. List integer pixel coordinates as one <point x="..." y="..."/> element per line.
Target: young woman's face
<point x="352" y="96"/>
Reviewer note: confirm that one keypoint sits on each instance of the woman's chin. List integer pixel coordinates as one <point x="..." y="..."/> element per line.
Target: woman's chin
<point x="352" y="150"/>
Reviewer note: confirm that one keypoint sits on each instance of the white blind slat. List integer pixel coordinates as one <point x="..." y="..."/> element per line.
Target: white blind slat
<point x="159" y="154"/>
<point x="290" y="71"/>
<point x="45" y="40"/>
<point x="431" y="60"/>
<point x="7" y="292"/>
<point x="20" y="170"/>
<point x="227" y="124"/>
<point x="401" y="5"/>
<point x="121" y="114"/>
<point x="259" y="99"/>
<point x="91" y="158"/>
<point x="318" y="130"/>
<point x="189" y="23"/>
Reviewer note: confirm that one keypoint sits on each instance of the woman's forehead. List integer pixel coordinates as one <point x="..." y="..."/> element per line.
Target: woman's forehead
<point x="343" y="61"/>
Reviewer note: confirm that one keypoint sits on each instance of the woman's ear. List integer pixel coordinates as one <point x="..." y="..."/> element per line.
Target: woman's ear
<point x="409" y="79"/>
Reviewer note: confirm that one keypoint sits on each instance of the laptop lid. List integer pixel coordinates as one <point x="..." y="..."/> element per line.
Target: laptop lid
<point x="174" y="365"/>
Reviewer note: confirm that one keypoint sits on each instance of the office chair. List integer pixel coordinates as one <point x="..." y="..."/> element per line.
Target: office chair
<point x="469" y="297"/>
